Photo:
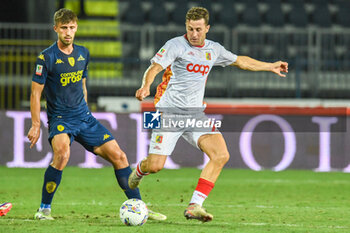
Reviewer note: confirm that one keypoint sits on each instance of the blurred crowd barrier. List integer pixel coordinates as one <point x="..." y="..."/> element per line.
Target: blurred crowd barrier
<point x="277" y="138"/>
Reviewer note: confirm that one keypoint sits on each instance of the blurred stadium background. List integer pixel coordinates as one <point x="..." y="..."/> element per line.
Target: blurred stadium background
<point x="122" y="36"/>
<point x="312" y="35"/>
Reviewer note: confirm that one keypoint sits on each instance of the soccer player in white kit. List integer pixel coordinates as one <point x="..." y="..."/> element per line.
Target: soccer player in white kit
<point x="188" y="60"/>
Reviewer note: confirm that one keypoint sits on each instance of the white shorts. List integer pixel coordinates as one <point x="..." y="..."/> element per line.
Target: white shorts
<point x="163" y="143"/>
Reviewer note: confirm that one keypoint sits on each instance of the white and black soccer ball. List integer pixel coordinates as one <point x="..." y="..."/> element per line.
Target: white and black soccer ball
<point x="133" y="212"/>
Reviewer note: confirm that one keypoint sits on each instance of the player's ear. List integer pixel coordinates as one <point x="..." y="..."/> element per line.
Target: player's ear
<point x="208" y="27"/>
<point x="55" y="28"/>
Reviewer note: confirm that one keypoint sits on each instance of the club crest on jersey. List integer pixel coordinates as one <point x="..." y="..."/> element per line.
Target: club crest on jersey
<point x="59" y="61"/>
<point x="39" y="70"/>
<point x="81" y="58"/>
<point x="208" y="56"/>
<point x="71" y="61"/>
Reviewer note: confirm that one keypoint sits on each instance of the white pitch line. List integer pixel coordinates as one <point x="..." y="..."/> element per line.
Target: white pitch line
<point x="290" y="225"/>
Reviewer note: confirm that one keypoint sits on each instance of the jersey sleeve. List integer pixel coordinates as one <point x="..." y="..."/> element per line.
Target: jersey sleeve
<point x="166" y="55"/>
<point x="225" y="57"/>
<point x="41" y="69"/>
<point x="85" y="73"/>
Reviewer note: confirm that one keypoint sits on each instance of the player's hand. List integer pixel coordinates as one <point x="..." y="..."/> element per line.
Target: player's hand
<point x="142" y="93"/>
<point x="278" y="67"/>
<point x="33" y="135"/>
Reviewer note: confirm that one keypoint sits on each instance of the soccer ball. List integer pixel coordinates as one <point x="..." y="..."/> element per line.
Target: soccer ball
<point x="133" y="212"/>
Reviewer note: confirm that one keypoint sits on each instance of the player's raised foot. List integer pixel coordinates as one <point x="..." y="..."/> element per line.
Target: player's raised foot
<point x="195" y="211"/>
<point x="156" y="216"/>
<point x="5" y="208"/>
<point x="43" y="214"/>
<point x="134" y="180"/>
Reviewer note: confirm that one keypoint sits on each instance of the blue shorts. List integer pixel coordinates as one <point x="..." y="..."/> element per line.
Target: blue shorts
<point x="88" y="131"/>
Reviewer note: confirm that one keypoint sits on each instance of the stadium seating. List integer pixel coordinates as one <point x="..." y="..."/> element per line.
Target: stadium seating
<point x="98" y="28"/>
<point x="298" y="16"/>
<point x="102" y="70"/>
<point x="108" y="8"/>
<point x="158" y="15"/>
<point x="177" y="15"/>
<point x="319" y="3"/>
<point x="99" y="32"/>
<point x="296" y="2"/>
<point x="134" y="13"/>
<point x="322" y="16"/>
<point x="227" y="15"/>
<point x="122" y="35"/>
<point x="205" y="3"/>
<point x="105" y="49"/>
<point x="343" y="16"/>
<point x="251" y="14"/>
<point x="274" y="15"/>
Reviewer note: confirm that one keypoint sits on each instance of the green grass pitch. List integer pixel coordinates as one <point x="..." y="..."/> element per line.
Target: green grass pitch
<point x="88" y="200"/>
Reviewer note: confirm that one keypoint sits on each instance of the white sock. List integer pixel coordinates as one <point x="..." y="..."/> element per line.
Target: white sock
<point x="198" y="198"/>
<point x="139" y="172"/>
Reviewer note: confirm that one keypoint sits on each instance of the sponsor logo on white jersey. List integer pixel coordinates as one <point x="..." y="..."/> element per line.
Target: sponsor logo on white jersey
<point x="196" y="68"/>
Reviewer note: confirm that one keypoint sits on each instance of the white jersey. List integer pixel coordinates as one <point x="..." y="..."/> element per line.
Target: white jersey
<point x="187" y="68"/>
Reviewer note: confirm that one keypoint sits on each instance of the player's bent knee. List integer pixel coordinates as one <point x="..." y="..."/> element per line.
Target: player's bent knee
<point x="60" y="160"/>
<point x="221" y="159"/>
<point x="61" y="152"/>
<point x="118" y="158"/>
<point x="120" y="155"/>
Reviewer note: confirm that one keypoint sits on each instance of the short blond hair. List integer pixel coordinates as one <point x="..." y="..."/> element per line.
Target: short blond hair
<point x="197" y="13"/>
<point x="64" y="16"/>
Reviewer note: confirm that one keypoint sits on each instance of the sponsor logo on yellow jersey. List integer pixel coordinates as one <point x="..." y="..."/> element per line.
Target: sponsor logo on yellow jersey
<point x="71" y="77"/>
<point x="59" y="61"/>
<point x="81" y="58"/>
<point x="41" y="57"/>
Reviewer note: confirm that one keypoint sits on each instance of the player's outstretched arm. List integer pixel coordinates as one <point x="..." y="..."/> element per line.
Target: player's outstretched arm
<point x="248" y="63"/>
<point x="34" y="131"/>
<point x="147" y="81"/>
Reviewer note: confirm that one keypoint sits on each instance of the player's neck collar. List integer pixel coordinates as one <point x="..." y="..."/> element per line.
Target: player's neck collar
<point x="198" y="46"/>
<point x="64" y="51"/>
